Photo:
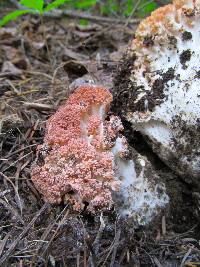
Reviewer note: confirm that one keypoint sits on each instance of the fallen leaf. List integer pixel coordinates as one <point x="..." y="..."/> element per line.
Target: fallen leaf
<point x="9" y="67"/>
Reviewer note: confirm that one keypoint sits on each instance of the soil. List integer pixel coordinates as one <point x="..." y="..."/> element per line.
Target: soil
<point x="186" y="36"/>
<point x="185" y="56"/>
<point x="125" y="90"/>
<point x="34" y="233"/>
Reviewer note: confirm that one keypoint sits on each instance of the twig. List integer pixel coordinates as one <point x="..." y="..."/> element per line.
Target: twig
<point x="78" y="260"/>
<point x="56" y="13"/>
<point x="96" y="243"/>
<point x="15" y="189"/>
<point x="12" y="210"/>
<point x="19" y="150"/>
<point x="164" y="226"/>
<point x="55" y="72"/>
<point x="132" y="13"/>
<point x="92" y="259"/>
<point x="12" y="247"/>
<point x="112" y="248"/>
<point x="60" y="224"/>
<point x="49" y="77"/>
<point x="12" y="86"/>
<point x="38" y="106"/>
<point x="5" y="192"/>
<point x="185" y="257"/>
<point x="94" y="249"/>
<point x="156" y="262"/>
<point x="46" y="233"/>
<point x="17" y="161"/>
<point x="4" y="241"/>
<point x="115" y="247"/>
<point x="9" y="75"/>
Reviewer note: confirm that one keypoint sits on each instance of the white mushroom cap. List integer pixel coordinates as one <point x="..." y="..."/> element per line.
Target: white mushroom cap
<point x="165" y="85"/>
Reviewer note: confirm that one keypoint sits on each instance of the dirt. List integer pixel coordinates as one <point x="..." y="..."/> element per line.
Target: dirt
<point x="186" y="36"/>
<point x="191" y="134"/>
<point x="172" y="40"/>
<point x="185" y="56"/>
<point x="126" y="91"/>
<point x="197" y="74"/>
<point x="148" y="41"/>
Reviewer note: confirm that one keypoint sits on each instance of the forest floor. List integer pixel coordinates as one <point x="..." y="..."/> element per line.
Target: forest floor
<point x="40" y="65"/>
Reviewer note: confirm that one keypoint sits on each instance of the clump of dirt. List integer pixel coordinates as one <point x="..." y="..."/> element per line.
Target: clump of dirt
<point x="148" y="41"/>
<point x="172" y="41"/>
<point x="185" y="56"/>
<point x="126" y="91"/>
<point x="121" y="90"/>
<point x="186" y="36"/>
<point x="168" y="75"/>
<point x="197" y="74"/>
<point x="192" y="135"/>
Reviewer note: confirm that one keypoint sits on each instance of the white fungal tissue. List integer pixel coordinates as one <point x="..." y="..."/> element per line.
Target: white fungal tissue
<point x="142" y="195"/>
<point x="164" y="86"/>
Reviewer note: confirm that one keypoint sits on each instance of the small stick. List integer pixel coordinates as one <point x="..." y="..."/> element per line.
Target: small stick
<point x="12" y="210"/>
<point x="4" y="241"/>
<point x="56" y="13"/>
<point x="12" y="247"/>
<point x="38" y="106"/>
<point x="2" y="194"/>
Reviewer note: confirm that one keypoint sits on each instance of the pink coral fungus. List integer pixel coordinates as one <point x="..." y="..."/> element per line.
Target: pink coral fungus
<point x="75" y="160"/>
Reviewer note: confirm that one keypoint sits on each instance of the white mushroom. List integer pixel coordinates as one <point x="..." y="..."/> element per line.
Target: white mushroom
<point x="162" y="87"/>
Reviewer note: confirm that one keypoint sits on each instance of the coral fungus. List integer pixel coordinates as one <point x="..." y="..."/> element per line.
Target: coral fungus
<point x="76" y="151"/>
<point x="86" y="160"/>
<point x="159" y="93"/>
